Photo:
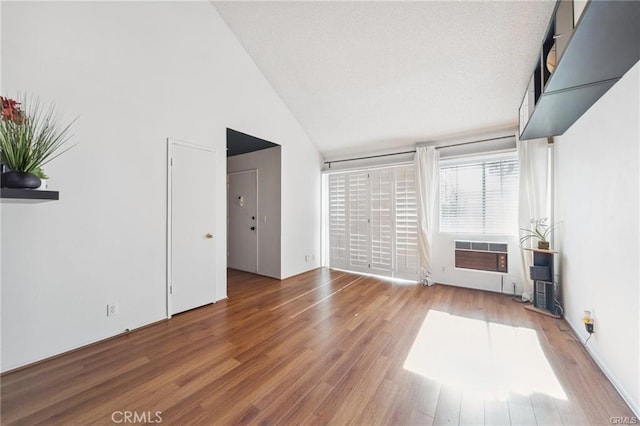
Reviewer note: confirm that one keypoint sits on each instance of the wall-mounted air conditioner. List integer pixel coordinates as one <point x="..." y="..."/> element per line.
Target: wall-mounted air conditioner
<point x="481" y="256"/>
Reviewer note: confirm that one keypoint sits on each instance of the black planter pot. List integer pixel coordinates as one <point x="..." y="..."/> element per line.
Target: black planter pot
<point x="22" y="180"/>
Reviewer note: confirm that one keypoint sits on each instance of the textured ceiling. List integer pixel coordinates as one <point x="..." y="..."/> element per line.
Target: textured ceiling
<point x="369" y="76"/>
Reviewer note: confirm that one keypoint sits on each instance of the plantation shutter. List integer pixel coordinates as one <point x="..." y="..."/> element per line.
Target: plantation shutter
<point x="338" y="220"/>
<point x="381" y="182"/>
<point x="373" y="222"/>
<point x="406" y="215"/>
<point x="480" y="197"/>
<point x="358" y="219"/>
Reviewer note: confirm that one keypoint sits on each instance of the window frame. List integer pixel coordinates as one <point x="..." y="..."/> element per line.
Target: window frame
<point x="488" y="157"/>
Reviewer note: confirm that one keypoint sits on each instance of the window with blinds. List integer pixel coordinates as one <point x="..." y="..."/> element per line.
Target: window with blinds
<point x="480" y="196"/>
<point x="373" y="221"/>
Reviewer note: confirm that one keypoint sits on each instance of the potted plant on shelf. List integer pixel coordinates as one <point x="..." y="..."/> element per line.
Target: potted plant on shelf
<point x="539" y="230"/>
<point x="29" y="139"/>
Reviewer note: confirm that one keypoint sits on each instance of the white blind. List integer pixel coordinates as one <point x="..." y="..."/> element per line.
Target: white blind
<point x="480" y="196"/>
<point x="373" y="221"/>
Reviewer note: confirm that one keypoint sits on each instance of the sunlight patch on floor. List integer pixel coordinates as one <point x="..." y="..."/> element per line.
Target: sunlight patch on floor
<point x="484" y="359"/>
<point x="392" y="280"/>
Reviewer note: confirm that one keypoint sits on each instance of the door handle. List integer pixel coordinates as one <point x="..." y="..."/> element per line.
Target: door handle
<point x="253" y="228"/>
<point x="209" y="236"/>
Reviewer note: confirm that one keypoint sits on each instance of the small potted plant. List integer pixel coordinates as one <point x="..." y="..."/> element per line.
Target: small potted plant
<point x="540" y="230"/>
<point x="29" y="139"/>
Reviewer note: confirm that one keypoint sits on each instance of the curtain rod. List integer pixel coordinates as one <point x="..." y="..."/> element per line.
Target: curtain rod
<point x="370" y="156"/>
<point x="411" y="152"/>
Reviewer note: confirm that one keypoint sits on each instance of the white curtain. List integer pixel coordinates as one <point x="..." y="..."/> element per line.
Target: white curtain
<point x="533" y="192"/>
<point x="426" y="160"/>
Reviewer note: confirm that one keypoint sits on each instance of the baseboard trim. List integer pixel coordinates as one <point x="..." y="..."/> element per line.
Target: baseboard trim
<point x="470" y="287"/>
<point x="260" y="274"/>
<point x="300" y="273"/>
<point x="542" y="311"/>
<point x="612" y="379"/>
<point x="79" y="348"/>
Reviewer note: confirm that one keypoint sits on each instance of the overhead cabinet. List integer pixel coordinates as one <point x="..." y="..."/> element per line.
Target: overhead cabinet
<point x="587" y="48"/>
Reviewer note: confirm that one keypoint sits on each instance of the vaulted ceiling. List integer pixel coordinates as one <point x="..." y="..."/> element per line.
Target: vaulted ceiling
<point x="367" y="76"/>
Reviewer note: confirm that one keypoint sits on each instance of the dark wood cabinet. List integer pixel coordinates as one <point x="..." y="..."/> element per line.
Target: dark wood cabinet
<point x="589" y="60"/>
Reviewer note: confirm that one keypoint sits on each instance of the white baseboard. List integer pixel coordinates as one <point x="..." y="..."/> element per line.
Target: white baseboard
<point x="480" y="288"/>
<point x="616" y="384"/>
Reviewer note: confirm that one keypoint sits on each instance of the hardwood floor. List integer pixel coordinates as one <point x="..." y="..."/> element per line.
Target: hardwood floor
<point x="327" y="347"/>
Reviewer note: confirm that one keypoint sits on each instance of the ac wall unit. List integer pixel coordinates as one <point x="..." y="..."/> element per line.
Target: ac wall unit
<point x="481" y="256"/>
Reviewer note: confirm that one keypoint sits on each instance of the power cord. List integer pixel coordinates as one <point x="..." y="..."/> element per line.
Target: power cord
<point x="587" y="341"/>
<point x="513" y="296"/>
<point x="558" y="305"/>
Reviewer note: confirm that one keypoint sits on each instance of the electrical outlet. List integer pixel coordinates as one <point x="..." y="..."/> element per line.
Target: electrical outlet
<point x="444" y="269"/>
<point x="589" y="327"/>
<point x="112" y="310"/>
<point x="306" y="257"/>
<point x="587" y="318"/>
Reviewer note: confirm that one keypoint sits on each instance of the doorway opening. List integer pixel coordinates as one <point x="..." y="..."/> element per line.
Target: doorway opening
<point x="253" y="204"/>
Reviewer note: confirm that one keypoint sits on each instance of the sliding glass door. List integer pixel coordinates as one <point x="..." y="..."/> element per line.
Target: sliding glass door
<point x="373" y="221"/>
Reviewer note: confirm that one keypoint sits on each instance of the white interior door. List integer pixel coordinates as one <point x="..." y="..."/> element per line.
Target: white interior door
<point x="191" y="191"/>
<point x="242" y="215"/>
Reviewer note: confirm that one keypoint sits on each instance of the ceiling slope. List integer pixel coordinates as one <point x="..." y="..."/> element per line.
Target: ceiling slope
<point x="368" y="76"/>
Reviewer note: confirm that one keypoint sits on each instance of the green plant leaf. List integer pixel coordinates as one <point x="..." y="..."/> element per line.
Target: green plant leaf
<point x="28" y="145"/>
<point x="541" y="230"/>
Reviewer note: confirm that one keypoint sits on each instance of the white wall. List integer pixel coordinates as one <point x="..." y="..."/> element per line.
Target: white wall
<point x="301" y="214"/>
<point x="267" y="162"/>
<point x="135" y="73"/>
<point x="597" y="197"/>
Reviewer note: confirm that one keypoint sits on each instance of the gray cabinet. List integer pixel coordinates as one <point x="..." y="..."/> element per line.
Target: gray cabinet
<point x="589" y="60"/>
<point x="546" y="293"/>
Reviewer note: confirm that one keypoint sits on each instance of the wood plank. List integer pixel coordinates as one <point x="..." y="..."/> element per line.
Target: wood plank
<point x="448" y="409"/>
<point x="545" y="410"/>
<point x="496" y="412"/>
<point x="521" y="411"/>
<point x="541" y="311"/>
<point x="340" y="360"/>
<point x="471" y="410"/>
